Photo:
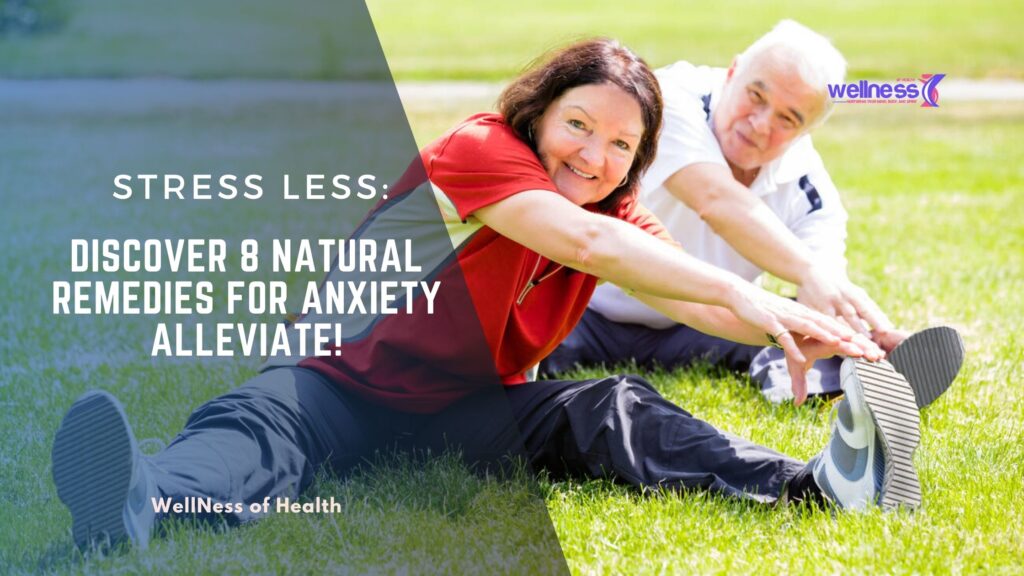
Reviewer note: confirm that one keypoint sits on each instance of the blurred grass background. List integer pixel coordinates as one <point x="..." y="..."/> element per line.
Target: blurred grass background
<point x="880" y="39"/>
<point x="463" y="39"/>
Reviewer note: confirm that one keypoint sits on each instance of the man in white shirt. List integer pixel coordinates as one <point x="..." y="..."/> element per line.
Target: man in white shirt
<point x="739" y="184"/>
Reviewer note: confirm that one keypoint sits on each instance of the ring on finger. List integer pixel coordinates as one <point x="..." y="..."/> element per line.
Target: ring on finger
<point x="773" y="339"/>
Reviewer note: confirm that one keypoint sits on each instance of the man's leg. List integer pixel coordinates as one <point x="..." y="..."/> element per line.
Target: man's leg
<point x="597" y="340"/>
<point x="768" y="370"/>
<point x="682" y="345"/>
<point x="621" y="427"/>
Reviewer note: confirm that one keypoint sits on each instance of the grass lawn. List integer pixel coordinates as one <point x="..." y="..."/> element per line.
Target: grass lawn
<point x="880" y="39"/>
<point x="936" y="235"/>
<point x="462" y="39"/>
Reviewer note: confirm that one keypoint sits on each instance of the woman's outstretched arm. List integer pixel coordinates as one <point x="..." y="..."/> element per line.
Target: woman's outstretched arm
<point x="723" y="303"/>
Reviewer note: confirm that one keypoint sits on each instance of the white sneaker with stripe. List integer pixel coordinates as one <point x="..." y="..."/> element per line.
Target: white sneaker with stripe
<point x="869" y="458"/>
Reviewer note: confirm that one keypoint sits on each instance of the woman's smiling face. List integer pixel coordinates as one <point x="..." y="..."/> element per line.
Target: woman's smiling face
<point x="586" y="140"/>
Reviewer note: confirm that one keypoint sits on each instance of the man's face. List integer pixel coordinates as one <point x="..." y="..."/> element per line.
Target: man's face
<point x="765" y="106"/>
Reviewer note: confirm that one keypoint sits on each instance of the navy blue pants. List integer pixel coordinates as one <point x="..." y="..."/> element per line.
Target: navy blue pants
<point x="271" y="436"/>
<point x="597" y="340"/>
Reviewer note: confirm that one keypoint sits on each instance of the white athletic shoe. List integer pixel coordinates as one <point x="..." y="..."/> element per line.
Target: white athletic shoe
<point x="100" y="475"/>
<point x="869" y="458"/>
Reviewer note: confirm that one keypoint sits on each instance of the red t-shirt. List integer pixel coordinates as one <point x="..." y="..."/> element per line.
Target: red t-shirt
<point x="501" y="307"/>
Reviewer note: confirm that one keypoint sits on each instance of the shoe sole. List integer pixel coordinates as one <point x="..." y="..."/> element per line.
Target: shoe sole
<point x="92" y="456"/>
<point x="892" y="405"/>
<point x="930" y="361"/>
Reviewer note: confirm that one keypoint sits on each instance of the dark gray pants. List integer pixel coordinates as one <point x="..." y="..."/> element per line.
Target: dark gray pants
<point x="269" y="438"/>
<point x="597" y="340"/>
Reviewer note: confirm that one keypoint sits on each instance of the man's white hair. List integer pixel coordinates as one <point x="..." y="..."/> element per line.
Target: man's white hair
<point x="814" y="58"/>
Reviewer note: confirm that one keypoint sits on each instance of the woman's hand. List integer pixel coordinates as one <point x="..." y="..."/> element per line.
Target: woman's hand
<point x="804" y="334"/>
<point x="811" y="351"/>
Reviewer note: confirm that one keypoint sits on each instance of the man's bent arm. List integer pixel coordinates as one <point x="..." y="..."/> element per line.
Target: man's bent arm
<point x="742" y="220"/>
<point x="753" y="230"/>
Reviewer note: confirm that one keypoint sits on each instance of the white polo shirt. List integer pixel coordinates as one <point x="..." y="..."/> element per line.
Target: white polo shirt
<point x="795" y="186"/>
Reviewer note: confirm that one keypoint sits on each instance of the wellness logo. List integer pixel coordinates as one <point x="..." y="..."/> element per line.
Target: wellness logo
<point x="902" y="91"/>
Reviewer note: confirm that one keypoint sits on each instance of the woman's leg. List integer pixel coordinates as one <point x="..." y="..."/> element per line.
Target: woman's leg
<point x="481" y="428"/>
<point x="265" y="439"/>
<point x="621" y="427"/>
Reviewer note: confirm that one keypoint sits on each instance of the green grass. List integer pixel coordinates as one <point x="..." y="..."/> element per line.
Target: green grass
<point x="462" y="39"/>
<point x="880" y="39"/>
<point x="936" y="235"/>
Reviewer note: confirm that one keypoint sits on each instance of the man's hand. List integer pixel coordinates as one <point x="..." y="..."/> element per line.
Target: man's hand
<point x="831" y="293"/>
